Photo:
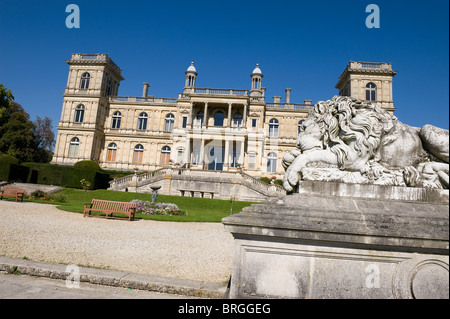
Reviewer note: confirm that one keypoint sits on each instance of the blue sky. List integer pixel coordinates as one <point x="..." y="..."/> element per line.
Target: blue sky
<point x="303" y="45"/>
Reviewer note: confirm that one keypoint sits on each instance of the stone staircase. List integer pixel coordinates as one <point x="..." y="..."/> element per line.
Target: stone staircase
<point x="199" y="183"/>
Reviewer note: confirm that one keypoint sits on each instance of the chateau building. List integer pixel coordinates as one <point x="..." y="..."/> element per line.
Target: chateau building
<point x="203" y="128"/>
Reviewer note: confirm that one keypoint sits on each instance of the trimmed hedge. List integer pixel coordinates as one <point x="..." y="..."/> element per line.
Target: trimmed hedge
<point x="49" y="174"/>
<point x="92" y="165"/>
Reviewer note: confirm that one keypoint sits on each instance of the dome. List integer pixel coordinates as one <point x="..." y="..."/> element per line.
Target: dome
<point x="191" y="68"/>
<point x="257" y="70"/>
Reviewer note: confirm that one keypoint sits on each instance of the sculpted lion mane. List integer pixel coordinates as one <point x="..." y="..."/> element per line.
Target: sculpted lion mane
<point x="346" y="140"/>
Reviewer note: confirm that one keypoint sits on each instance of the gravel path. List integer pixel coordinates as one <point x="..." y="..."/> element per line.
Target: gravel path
<point x="40" y="232"/>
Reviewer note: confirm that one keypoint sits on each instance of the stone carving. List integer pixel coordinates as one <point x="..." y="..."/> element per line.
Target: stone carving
<point x="350" y="141"/>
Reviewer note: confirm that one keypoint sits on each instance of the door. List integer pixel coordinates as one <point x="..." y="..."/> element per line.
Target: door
<point x="216" y="158"/>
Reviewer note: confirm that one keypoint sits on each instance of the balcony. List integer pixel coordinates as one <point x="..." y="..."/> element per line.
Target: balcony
<point x="290" y="106"/>
<point x="148" y="99"/>
<point x="208" y="91"/>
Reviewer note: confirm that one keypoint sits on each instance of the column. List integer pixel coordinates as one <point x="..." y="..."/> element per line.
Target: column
<point x="227" y="154"/>
<point x="202" y="154"/>
<point x="244" y="119"/>
<point x="241" y="154"/>
<point x="230" y="108"/>
<point x="205" y="115"/>
<point x="190" y="118"/>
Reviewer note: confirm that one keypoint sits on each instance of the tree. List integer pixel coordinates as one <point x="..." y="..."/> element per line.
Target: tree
<point x="44" y="130"/>
<point x="19" y="136"/>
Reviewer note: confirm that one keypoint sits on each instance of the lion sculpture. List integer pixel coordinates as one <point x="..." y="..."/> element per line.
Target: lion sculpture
<point x="347" y="140"/>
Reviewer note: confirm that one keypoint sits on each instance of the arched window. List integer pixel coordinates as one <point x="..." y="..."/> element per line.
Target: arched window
<point x="273" y="128"/>
<point x="200" y="118"/>
<point x="165" y="155"/>
<point x="85" y="79"/>
<point x="79" y="113"/>
<point x="237" y="120"/>
<point x="142" y="121"/>
<point x="168" y="125"/>
<point x="112" y="152"/>
<point x="138" y="154"/>
<point x="218" y="118"/>
<point x="300" y="125"/>
<point x="371" y="92"/>
<point x="272" y="163"/>
<point x="73" y="147"/>
<point x="116" y="119"/>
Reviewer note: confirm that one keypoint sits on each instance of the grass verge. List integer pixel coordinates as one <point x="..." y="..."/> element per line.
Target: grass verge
<point x="198" y="209"/>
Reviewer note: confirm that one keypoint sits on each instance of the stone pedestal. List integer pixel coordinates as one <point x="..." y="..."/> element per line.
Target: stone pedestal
<point x="328" y="245"/>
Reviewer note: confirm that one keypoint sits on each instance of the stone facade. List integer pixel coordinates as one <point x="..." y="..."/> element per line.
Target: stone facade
<point x="203" y="128"/>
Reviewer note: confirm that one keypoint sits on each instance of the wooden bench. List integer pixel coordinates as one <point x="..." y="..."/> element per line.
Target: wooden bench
<point x="13" y="192"/>
<point x="109" y="208"/>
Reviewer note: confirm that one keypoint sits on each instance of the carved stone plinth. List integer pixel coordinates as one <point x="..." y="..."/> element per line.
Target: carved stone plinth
<point x="328" y="245"/>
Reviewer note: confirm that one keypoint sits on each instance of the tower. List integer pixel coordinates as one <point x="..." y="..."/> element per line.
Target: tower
<point x="191" y="75"/>
<point x="257" y="91"/>
<point x="92" y="79"/>
<point x="367" y="81"/>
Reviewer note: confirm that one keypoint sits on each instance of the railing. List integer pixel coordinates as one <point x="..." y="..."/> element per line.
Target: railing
<point x="149" y="99"/>
<point x="369" y="65"/>
<point x="261" y="186"/>
<point x="118" y="182"/>
<point x="289" y="106"/>
<point x="221" y="91"/>
<point x="153" y="176"/>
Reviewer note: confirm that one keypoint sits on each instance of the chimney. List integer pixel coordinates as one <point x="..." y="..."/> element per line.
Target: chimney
<point x="288" y="96"/>
<point x="145" y="91"/>
<point x="308" y="102"/>
<point x="276" y="99"/>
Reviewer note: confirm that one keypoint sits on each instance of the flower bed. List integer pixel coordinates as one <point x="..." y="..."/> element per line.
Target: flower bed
<point x="167" y="209"/>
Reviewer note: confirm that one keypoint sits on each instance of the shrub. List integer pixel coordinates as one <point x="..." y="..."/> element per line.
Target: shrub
<point x="37" y="194"/>
<point x="87" y="165"/>
<point x="8" y="159"/>
<point x="148" y="208"/>
<point x="67" y="176"/>
<point x="265" y="180"/>
<point x="61" y="198"/>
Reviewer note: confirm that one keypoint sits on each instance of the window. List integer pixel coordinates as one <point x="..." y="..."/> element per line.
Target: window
<point x="273" y="128"/>
<point x="165" y="155"/>
<point x="109" y="88"/>
<point x="117" y="117"/>
<point x="235" y="156"/>
<point x="168" y="125"/>
<point x="180" y="155"/>
<point x="272" y="163"/>
<point x="237" y="120"/>
<point x="73" y="147"/>
<point x="138" y="154"/>
<point x="254" y="123"/>
<point x="196" y="155"/>
<point x="184" y="125"/>
<point x="142" y="121"/>
<point x="200" y="117"/>
<point x="112" y="152"/>
<point x="218" y="118"/>
<point x="371" y="92"/>
<point x="251" y="161"/>
<point x="79" y="113"/>
<point x="85" y="79"/>
<point x="299" y="127"/>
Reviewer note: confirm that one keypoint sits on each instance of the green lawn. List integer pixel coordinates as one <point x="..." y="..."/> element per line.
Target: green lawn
<point x="198" y="209"/>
